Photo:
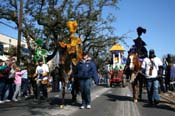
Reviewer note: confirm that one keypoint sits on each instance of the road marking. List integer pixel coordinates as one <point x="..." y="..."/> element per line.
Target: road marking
<point x="134" y="110"/>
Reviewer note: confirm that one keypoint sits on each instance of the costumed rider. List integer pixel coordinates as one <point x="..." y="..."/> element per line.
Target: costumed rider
<point x="139" y="44"/>
<point x="139" y="48"/>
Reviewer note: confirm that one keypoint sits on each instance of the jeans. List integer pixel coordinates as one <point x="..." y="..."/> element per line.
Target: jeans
<point x="11" y="90"/>
<point x="24" y="87"/>
<point x="153" y="90"/>
<point x="75" y="89"/>
<point x="5" y="91"/>
<point x="41" y="88"/>
<point x="85" y="86"/>
<point x="106" y="79"/>
<point x="2" y="84"/>
<point x="17" y="91"/>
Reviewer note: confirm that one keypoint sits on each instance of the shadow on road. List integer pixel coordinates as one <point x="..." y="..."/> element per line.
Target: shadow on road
<point x="33" y="107"/>
<point x="113" y="97"/>
<point x="162" y="105"/>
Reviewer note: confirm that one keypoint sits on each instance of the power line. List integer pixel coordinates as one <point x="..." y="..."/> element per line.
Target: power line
<point x="8" y="25"/>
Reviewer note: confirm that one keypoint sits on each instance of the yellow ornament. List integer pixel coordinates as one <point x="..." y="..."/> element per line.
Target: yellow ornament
<point x="72" y="25"/>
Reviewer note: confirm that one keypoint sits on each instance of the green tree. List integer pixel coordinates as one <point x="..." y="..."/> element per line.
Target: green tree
<point x="47" y="19"/>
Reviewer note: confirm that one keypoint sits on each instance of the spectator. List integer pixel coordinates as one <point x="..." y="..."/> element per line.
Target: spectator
<point x="25" y="82"/>
<point x="42" y="71"/>
<point x="172" y="77"/>
<point x="2" y="79"/>
<point x="85" y="70"/>
<point x="151" y="66"/>
<point x="8" y="89"/>
<point x="18" y="81"/>
<point x="4" y="71"/>
<point x="75" y="82"/>
<point x="168" y="72"/>
<point x="55" y="76"/>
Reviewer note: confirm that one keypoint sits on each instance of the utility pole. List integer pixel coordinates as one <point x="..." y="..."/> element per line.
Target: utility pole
<point x="20" y="19"/>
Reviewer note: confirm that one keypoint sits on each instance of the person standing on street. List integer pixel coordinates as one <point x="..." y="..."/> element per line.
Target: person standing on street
<point x="85" y="70"/>
<point x="18" y="82"/>
<point x="42" y="71"/>
<point x="75" y="82"/>
<point x="151" y="67"/>
<point x="56" y="79"/>
<point x="25" y="82"/>
<point x="168" y="72"/>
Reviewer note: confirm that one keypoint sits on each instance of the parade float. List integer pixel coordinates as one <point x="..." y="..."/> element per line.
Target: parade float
<point x="117" y="66"/>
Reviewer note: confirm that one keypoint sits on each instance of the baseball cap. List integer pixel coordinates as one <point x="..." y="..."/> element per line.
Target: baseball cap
<point x="40" y="60"/>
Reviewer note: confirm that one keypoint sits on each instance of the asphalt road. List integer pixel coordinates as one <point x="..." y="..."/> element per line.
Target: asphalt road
<point x="115" y="101"/>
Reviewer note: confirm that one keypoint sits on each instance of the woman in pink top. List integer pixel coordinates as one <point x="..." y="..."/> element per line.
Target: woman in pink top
<point x="17" y="81"/>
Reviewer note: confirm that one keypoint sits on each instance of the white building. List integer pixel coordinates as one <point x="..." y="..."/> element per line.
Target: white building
<point x="6" y="42"/>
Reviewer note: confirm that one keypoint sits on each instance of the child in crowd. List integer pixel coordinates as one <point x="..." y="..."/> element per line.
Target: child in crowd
<point x="17" y="81"/>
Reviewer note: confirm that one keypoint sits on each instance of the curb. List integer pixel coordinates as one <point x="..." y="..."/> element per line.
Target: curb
<point x="167" y="98"/>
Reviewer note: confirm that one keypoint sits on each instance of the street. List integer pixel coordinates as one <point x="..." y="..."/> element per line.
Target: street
<point x="115" y="101"/>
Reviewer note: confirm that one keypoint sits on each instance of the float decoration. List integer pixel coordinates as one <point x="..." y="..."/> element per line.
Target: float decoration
<point x="117" y="50"/>
<point x="40" y="53"/>
<point x="73" y="47"/>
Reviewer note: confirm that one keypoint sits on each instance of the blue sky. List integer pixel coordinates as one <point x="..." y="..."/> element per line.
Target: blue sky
<point x="157" y="16"/>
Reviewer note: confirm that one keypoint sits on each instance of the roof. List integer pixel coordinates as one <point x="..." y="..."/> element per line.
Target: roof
<point x="117" y="47"/>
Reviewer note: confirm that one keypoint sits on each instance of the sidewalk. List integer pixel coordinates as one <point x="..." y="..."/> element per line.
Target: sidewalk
<point x="169" y="97"/>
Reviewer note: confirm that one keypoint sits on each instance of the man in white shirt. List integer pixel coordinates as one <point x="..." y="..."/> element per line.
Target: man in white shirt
<point x="42" y="71"/>
<point x="151" y="67"/>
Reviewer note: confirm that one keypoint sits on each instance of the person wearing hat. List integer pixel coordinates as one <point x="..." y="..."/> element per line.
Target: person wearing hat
<point x="42" y="71"/>
<point x="152" y="66"/>
<point x="140" y="44"/>
<point x="85" y="70"/>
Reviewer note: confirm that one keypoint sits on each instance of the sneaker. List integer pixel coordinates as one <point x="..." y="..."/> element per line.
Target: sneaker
<point x="26" y="97"/>
<point x="156" y="102"/>
<point x="82" y="107"/>
<point x="88" y="106"/>
<point x="1" y="102"/>
<point x="15" y="100"/>
<point x="135" y="101"/>
<point x="7" y="100"/>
